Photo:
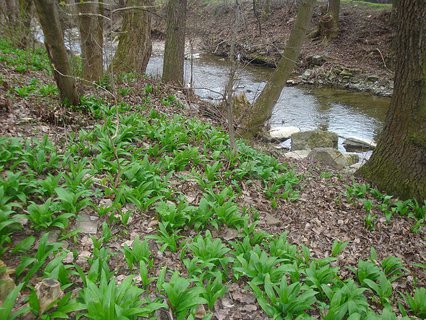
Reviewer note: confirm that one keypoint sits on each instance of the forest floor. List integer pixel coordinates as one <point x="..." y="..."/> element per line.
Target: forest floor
<point x="140" y="183"/>
<point x="360" y="58"/>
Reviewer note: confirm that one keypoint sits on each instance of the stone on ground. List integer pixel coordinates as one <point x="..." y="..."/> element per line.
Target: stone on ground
<point x="329" y="157"/>
<point x="298" y="154"/>
<point x="309" y="140"/>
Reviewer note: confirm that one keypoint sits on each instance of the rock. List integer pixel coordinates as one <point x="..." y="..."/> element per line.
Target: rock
<point x="53" y="236"/>
<point x="83" y="257"/>
<point x="230" y="234"/>
<point x="307" y="74"/>
<point x="373" y="78"/>
<point x="6" y="282"/>
<point x="292" y="82"/>
<point x="48" y="291"/>
<point x="271" y="220"/>
<point x="69" y="258"/>
<point x="351" y="157"/>
<point x="86" y="225"/>
<point x="356" y="166"/>
<point x="329" y="157"/>
<point x="200" y="312"/>
<point x="309" y="140"/>
<point x="316" y="60"/>
<point x="345" y="73"/>
<point x="353" y="168"/>
<point x="105" y="203"/>
<point x="298" y="154"/>
<point x="359" y="145"/>
<point x="250" y="308"/>
<point x="283" y="133"/>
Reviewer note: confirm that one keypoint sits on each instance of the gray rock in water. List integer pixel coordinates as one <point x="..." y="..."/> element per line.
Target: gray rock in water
<point x="356" y="144"/>
<point x="283" y="133"/>
<point x="309" y="140"/>
<point x="329" y="157"/>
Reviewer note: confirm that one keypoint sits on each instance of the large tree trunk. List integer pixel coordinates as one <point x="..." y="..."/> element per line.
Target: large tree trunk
<point x="91" y="39"/>
<point x="135" y="45"/>
<point x="54" y="41"/>
<point x="398" y="165"/>
<point x="261" y="111"/>
<point x="174" y="52"/>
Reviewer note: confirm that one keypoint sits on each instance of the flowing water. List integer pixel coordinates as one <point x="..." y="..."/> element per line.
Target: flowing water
<point x="349" y="114"/>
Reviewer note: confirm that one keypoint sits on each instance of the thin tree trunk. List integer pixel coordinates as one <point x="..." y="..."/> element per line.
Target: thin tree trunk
<point x="135" y="45"/>
<point x="174" y="51"/>
<point x="267" y="9"/>
<point x="261" y="111"/>
<point x="229" y="88"/>
<point x="91" y="39"/>
<point x="393" y="13"/>
<point x="54" y="41"/>
<point x="25" y="13"/>
<point x="334" y="11"/>
<point x="12" y="12"/>
<point x="398" y="165"/>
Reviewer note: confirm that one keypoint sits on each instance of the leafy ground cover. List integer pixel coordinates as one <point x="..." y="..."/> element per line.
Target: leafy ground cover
<point x="139" y="209"/>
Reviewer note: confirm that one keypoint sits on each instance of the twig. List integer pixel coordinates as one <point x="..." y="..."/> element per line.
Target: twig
<point x="383" y="59"/>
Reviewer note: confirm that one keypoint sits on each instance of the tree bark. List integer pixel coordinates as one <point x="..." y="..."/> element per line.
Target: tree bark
<point x="25" y="12"/>
<point x="135" y="45"/>
<point x="174" y="51"/>
<point x="328" y="26"/>
<point x="91" y="39"/>
<point x="393" y="12"/>
<point x="334" y="11"/>
<point x="261" y="111"/>
<point x="54" y="41"/>
<point x="267" y="9"/>
<point x="398" y="165"/>
<point x="12" y="12"/>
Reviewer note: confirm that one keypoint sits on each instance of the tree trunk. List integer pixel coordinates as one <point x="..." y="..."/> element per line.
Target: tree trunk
<point x="54" y="41"/>
<point x="328" y="26"/>
<point x="261" y="111"/>
<point x="91" y="39"/>
<point x="25" y="12"/>
<point x="12" y="12"/>
<point x="334" y="11"/>
<point x="267" y="9"/>
<point x="398" y="165"/>
<point x="174" y="51"/>
<point x="393" y="12"/>
<point x="135" y="45"/>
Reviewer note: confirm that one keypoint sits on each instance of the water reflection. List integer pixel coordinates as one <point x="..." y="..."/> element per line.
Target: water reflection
<point x="349" y="114"/>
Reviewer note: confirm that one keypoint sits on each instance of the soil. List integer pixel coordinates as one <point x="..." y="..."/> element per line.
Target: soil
<point x="360" y="58"/>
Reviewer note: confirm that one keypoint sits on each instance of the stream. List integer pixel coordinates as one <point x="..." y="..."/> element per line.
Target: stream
<point x="347" y="113"/>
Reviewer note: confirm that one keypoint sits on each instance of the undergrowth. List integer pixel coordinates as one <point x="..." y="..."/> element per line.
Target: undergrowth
<point x="130" y="169"/>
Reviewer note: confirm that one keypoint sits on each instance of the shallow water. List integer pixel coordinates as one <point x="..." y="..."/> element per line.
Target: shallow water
<point x="349" y="114"/>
